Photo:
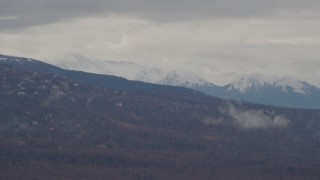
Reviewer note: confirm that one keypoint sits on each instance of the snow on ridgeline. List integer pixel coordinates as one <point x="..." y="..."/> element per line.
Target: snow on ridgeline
<point x="134" y="71"/>
<point x="258" y="81"/>
<point x="183" y="78"/>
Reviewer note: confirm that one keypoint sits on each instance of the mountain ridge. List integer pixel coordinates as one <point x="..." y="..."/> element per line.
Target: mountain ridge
<point x="256" y="88"/>
<point x="255" y="81"/>
<point x="134" y="71"/>
<point x="107" y="81"/>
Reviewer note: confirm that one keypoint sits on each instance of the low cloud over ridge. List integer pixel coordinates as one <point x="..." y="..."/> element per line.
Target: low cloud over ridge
<point x="257" y="119"/>
<point x="248" y="119"/>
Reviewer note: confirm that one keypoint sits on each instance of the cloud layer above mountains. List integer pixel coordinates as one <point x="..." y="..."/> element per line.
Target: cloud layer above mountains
<point x="33" y="12"/>
<point x="214" y="39"/>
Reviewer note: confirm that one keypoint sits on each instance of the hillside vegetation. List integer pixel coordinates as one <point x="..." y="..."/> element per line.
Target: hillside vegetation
<point x="52" y="127"/>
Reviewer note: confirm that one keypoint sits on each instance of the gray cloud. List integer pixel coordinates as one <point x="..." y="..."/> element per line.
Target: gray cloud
<point x="215" y="39"/>
<point x="36" y="12"/>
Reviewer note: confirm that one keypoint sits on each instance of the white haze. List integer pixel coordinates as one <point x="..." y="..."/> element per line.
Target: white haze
<point x="257" y="119"/>
<point x="249" y="119"/>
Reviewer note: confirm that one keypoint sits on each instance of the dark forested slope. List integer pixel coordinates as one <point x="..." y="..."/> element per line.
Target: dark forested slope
<point x="52" y="127"/>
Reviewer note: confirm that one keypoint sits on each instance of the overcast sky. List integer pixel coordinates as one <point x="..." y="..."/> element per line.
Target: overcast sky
<point x="217" y="40"/>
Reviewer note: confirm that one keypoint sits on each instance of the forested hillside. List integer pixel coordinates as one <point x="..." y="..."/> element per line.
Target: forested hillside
<point x="53" y="127"/>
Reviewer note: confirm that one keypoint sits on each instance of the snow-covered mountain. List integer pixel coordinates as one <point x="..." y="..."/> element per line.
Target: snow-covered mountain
<point x="273" y="90"/>
<point x="270" y="90"/>
<point x="99" y="80"/>
<point x="257" y="88"/>
<point x="135" y="71"/>
<point x="256" y="82"/>
<point x="183" y="78"/>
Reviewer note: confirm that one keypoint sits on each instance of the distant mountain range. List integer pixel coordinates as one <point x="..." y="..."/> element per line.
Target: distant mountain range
<point x="255" y="88"/>
<point x="135" y="71"/>
<point x="278" y="91"/>
<point x="101" y="80"/>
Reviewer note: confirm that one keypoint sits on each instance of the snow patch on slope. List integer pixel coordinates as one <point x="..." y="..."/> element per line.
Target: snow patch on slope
<point x="257" y="81"/>
<point x="183" y="78"/>
<point x="296" y="85"/>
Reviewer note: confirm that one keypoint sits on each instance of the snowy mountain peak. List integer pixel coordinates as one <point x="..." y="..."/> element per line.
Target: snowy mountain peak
<point x="247" y="83"/>
<point x="183" y="78"/>
<point x="134" y="71"/>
